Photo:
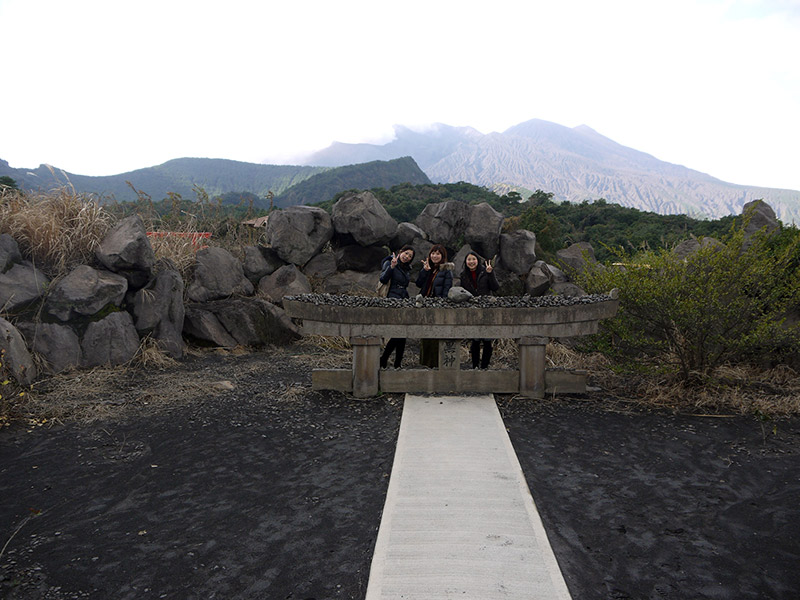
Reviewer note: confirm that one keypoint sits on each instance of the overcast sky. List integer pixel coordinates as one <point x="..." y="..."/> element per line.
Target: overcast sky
<point x="99" y="87"/>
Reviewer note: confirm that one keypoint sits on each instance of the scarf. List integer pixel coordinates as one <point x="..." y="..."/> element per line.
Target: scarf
<point x="431" y="279"/>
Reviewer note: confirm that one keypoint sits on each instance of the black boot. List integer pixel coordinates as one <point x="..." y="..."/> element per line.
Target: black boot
<point x="475" y="353"/>
<point x="384" y="358"/>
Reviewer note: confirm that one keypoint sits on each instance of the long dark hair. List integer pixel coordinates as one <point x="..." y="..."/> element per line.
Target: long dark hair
<point x="400" y="263"/>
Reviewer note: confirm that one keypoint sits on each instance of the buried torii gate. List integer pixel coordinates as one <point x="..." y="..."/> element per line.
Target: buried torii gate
<point x="366" y="324"/>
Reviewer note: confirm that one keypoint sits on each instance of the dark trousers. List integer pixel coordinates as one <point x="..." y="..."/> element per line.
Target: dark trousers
<point x="394" y="344"/>
<point x="475" y="353"/>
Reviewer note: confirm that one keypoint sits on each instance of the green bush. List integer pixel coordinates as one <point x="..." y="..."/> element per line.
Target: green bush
<point x="726" y="303"/>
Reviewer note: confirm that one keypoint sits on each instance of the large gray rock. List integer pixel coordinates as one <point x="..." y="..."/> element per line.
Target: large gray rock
<point x="510" y="283"/>
<point x="203" y="327"/>
<point x="444" y="222"/>
<point x="20" y="285"/>
<point x="557" y="274"/>
<point x="83" y="292"/>
<point x="218" y="274"/>
<point x="360" y="258"/>
<point x="15" y="356"/>
<point x="239" y="322"/>
<point x="352" y="283"/>
<point x="9" y="252"/>
<point x="760" y="216"/>
<point x="110" y="341"/>
<point x="158" y="311"/>
<point x="539" y="279"/>
<point x="518" y="251"/>
<point x="321" y="266"/>
<point x="570" y="290"/>
<point x="405" y="235"/>
<point x="577" y="257"/>
<point x="286" y="281"/>
<point x="298" y="233"/>
<point x="361" y="217"/>
<point x="483" y="230"/>
<point x="127" y="251"/>
<point x="58" y="345"/>
<point x="260" y="261"/>
<point x="687" y="248"/>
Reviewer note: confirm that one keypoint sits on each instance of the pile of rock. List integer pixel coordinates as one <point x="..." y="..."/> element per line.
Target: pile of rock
<point x="98" y="314"/>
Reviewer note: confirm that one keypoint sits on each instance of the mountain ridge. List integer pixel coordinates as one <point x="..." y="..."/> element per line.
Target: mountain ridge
<point x="575" y="164"/>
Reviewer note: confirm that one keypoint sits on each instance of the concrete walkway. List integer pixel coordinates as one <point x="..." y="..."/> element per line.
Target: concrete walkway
<point x="459" y="520"/>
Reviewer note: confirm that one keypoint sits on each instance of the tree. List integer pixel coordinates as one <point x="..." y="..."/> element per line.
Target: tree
<point x="7" y="183"/>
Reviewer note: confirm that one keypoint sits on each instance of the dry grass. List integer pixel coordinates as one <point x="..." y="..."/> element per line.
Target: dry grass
<point x="56" y="230"/>
<point x="179" y="250"/>
<point x="729" y="390"/>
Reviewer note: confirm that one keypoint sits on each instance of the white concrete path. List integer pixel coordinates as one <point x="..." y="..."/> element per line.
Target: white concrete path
<point x="459" y="520"/>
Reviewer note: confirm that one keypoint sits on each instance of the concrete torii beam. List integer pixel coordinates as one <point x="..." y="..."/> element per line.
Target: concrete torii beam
<point x="532" y="327"/>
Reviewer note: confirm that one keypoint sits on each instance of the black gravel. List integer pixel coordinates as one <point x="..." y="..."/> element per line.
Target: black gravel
<point x="475" y="302"/>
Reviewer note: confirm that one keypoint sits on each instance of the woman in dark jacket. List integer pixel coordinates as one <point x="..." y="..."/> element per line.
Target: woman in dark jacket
<point x="479" y="280"/>
<point x="435" y="279"/>
<point x="396" y="271"/>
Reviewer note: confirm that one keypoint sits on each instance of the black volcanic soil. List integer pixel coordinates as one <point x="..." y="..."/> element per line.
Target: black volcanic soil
<point x="270" y="490"/>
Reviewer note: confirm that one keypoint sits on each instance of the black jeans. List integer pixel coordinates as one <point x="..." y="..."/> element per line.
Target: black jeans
<point x="475" y="353"/>
<point x="398" y="344"/>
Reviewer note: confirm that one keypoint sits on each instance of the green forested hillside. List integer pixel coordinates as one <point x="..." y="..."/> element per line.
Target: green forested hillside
<point x="376" y="174"/>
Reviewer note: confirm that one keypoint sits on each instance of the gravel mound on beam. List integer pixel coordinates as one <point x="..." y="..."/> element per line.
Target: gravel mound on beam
<point x="475" y="302"/>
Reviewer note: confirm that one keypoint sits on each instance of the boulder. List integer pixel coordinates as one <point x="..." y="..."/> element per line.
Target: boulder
<point x="405" y="235"/>
<point x="459" y="294"/>
<point x="158" y="311"/>
<point x="518" y="251"/>
<point x="260" y="261"/>
<point x="239" y="321"/>
<point x="9" y="252"/>
<point x="14" y="354"/>
<point x="761" y="216"/>
<point x="570" y="290"/>
<point x="286" y="281"/>
<point x="361" y="217"/>
<point x="203" y="327"/>
<point x="483" y="230"/>
<point x="20" y="285"/>
<point x="321" y="266"/>
<point x="110" y="341"/>
<point x="360" y="258"/>
<point x="127" y="251"/>
<point x="557" y="274"/>
<point x="83" y="292"/>
<point x="577" y="257"/>
<point x="686" y="248"/>
<point x="57" y="344"/>
<point x="218" y="274"/>
<point x="444" y="222"/>
<point x="510" y="283"/>
<point x="352" y="283"/>
<point x="298" y="233"/>
<point x="539" y="279"/>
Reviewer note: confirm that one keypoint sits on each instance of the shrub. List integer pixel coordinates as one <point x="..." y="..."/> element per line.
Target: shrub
<point x="725" y="303"/>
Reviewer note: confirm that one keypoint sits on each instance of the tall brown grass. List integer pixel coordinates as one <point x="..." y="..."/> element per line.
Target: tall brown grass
<point x="57" y="229"/>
